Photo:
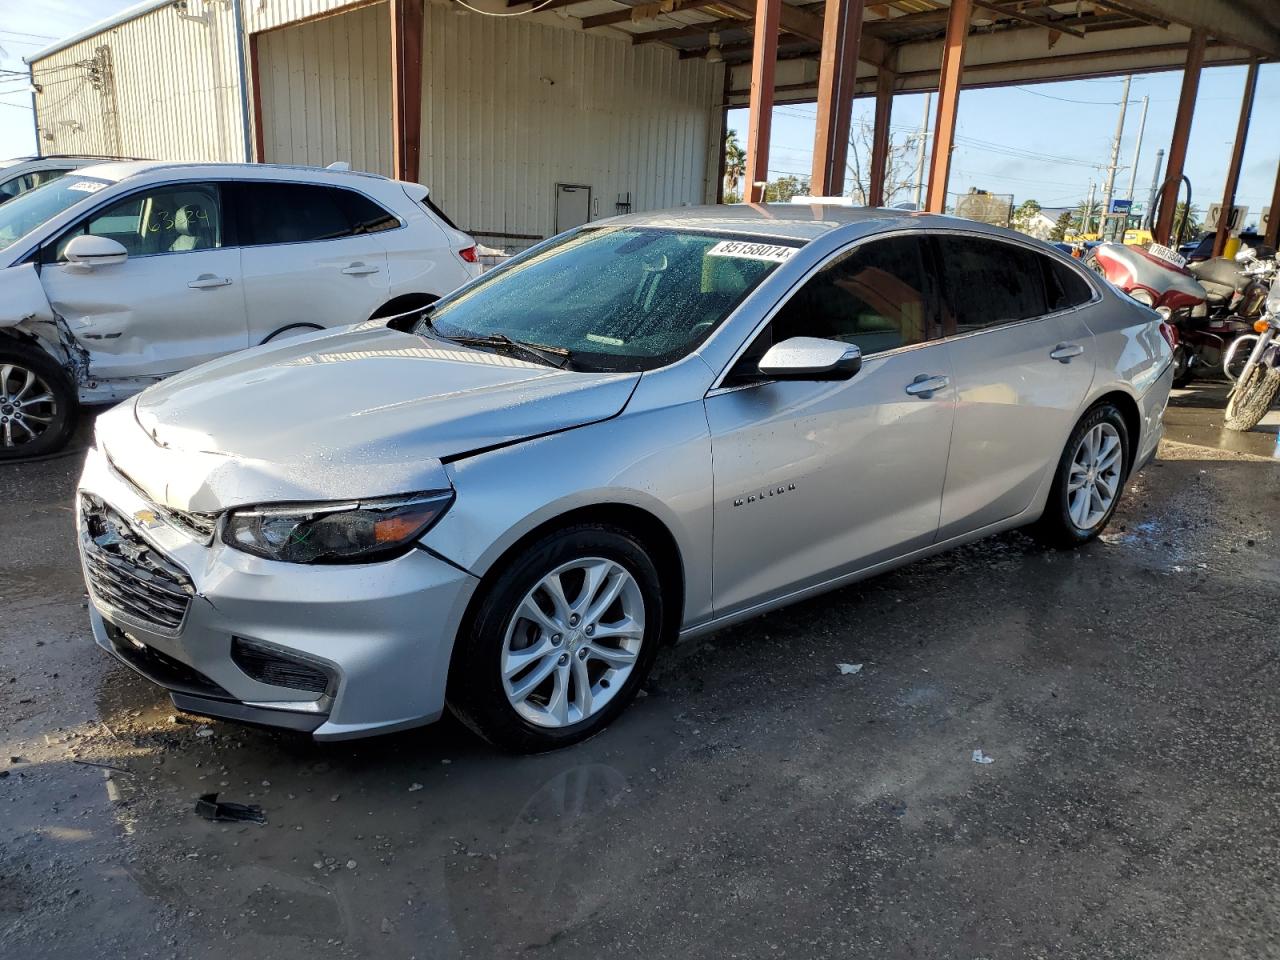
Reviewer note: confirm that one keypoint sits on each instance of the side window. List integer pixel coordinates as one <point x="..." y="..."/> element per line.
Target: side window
<point x="174" y="218"/>
<point x="1064" y="288"/>
<point x="15" y="186"/>
<point x="988" y="283"/>
<point x="365" y="215"/>
<point x="291" y="213"/>
<point x="879" y="296"/>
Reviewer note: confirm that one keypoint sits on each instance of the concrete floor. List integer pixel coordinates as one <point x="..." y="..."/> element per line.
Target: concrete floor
<point x="755" y="803"/>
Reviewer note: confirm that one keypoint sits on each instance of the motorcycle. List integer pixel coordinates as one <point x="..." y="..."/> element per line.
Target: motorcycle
<point x="1212" y="303"/>
<point x="1256" y="387"/>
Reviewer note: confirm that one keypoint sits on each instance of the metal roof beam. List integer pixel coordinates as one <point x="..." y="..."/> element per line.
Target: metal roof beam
<point x="692" y="30"/>
<point x="645" y="11"/>
<point x="1027" y="18"/>
<point x="1223" y="19"/>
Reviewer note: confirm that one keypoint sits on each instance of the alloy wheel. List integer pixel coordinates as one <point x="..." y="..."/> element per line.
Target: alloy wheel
<point x="572" y="642"/>
<point x="1094" y="480"/>
<point x="27" y="405"/>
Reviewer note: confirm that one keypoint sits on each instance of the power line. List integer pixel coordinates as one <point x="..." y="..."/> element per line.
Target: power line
<point x="19" y="33"/>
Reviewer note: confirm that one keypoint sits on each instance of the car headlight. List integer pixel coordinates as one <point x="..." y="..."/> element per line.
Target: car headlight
<point x="1143" y="297"/>
<point x="351" y="532"/>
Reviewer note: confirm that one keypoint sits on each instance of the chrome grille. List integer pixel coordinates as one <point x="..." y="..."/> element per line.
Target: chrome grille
<point x="127" y="574"/>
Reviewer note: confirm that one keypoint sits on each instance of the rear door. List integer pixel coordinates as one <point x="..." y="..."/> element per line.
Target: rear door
<point x="313" y="256"/>
<point x="1023" y="360"/>
<point x="175" y="302"/>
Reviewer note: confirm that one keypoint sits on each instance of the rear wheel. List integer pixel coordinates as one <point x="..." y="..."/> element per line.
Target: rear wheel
<point x="1091" y="474"/>
<point x="560" y="640"/>
<point x="1181" y="366"/>
<point x="37" y="402"/>
<point x="1252" y="397"/>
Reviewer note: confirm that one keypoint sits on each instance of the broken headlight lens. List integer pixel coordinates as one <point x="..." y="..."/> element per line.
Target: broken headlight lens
<point x="353" y="532"/>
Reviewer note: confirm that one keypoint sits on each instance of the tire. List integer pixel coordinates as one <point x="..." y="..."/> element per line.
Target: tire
<point x="1062" y="525"/>
<point x="29" y="425"/>
<point x="498" y="634"/>
<point x="1250" y="401"/>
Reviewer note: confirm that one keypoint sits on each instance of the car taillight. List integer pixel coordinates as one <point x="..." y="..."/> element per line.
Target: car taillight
<point x="1170" y="333"/>
<point x="469" y="254"/>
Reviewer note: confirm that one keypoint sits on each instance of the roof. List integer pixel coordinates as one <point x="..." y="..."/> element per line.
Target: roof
<point x="120" y="169"/>
<point x="790" y="221"/>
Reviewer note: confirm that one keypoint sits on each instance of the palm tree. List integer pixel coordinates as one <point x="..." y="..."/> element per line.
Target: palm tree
<point x="735" y="165"/>
<point x="1088" y="215"/>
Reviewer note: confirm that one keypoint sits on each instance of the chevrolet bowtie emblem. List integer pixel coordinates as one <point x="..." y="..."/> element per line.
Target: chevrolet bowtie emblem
<point x="146" y="519"/>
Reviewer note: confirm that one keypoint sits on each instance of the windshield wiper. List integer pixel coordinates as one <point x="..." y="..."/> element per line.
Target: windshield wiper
<point x="557" y="357"/>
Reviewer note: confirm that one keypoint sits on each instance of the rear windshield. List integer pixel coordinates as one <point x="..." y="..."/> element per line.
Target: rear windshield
<point x="24" y="213"/>
<point x="616" y="298"/>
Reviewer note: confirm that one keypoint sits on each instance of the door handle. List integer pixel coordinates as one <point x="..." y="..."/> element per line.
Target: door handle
<point x="359" y="269"/>
<point x="207" y="281"/>
<point x="925" y="386"/>
<point x="1063" y="352"/>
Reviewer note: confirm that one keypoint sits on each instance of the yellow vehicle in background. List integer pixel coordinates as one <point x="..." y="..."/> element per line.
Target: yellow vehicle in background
<point x="1138" y="237"/>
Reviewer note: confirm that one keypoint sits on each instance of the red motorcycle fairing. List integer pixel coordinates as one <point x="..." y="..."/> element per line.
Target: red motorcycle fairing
<point x="1131" y="268"/>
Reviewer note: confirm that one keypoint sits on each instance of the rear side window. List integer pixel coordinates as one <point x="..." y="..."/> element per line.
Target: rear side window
<point x="988" y="283"/>
<point x="1064" y="288"/>
<point x="431" y="205"/>
<point x="272" y="213"/>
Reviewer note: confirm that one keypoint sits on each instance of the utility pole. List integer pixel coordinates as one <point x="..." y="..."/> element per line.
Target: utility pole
<point x="1148" y="219"/>
<point x="924" y="137"/>
<point x="1137" y="148"/>
<point x="1088" y="211"/>
<point x="1115" y="158"/>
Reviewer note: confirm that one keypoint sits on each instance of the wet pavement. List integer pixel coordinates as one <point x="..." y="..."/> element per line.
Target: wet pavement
<point x="755" y="803"/>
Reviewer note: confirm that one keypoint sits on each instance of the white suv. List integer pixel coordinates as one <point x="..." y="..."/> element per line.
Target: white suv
<point x="21" y="174"/>
<point x="124" y="273"/>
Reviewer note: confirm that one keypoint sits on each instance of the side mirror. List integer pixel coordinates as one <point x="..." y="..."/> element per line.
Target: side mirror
<point x="87" y="250"/>
<point x="1245" y="254"/>
<point x="811" y="358"/>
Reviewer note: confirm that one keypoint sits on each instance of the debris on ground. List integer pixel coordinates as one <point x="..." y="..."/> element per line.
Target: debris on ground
<point x="848" y="668"/>
<point x="415" y="787"/>
<point x="209" y="807"/>
<point x="980" y="757"/>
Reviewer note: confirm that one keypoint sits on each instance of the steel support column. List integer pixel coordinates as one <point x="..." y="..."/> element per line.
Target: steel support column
<point x="406" y="87"/>
<point x="1271" y="236"/>
<point x="837" y="70"/>
<point x="764" y="61"/>
<point x="880" y="138"/>
<point x="1181" y="136"/>
<point x="1237" y="158"/>
<point x="948" y="99"/>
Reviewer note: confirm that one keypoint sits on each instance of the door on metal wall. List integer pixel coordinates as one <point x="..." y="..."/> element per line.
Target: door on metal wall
<point x="573" y="205"/>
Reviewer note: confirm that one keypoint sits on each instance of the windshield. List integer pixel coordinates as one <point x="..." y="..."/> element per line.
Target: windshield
<point x="615" y="298"/>
<point x="24" y="213"/>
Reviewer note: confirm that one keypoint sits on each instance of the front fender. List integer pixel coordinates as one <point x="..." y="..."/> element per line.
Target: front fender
<point x="22" y="297"/>
<point x="658" y="460"/>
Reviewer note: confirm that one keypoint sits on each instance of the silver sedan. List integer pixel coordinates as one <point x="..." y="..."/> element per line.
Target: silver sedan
<point x="646" y="429"/>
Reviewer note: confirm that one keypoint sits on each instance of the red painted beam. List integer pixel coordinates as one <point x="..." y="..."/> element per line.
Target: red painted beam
<point x="944" y="129"/>
<point x="1181" y="136"/>
<point x="1237" y="157"/>
<point x="764" y="61"/>
<point x="406" y="87"/>
<point x="837" y="69"/>
<point x="880" y="139"/>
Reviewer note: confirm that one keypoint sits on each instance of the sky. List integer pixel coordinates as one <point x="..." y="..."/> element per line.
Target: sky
<point x="1044" y="142"/>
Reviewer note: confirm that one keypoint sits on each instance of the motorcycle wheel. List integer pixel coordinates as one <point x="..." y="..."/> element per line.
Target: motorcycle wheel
<point x="1181" y="367"/>
<point x="1251" y="399"/>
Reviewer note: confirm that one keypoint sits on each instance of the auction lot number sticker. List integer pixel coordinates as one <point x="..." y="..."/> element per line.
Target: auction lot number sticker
<point x="750" y="250"/>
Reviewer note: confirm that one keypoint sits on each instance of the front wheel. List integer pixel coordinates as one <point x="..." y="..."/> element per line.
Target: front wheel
<point x="1182" y="373"/>
<point x="1091" y="473"/>
<point x="37" y="402"/>
<point x="1251" y="397"/>
<point x="560" y="640"/>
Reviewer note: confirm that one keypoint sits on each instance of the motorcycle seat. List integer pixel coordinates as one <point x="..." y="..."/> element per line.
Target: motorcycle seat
<point x="1220" y="273"/>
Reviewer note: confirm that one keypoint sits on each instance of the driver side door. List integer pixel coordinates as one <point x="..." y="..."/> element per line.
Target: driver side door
<point x="175" y="302"/>
<point x="818" y="479"/>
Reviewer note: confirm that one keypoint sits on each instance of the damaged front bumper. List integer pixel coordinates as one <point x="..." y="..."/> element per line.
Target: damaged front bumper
<point x="336" y="651"/>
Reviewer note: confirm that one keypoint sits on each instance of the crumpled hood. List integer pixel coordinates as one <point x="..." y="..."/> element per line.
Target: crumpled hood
<point x="365" y="412"/>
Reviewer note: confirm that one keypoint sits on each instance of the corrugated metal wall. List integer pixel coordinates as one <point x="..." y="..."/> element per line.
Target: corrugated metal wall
<point x="266" y="14"/>
<point x="157" y="86"/>
<point x="511" y="107"/>
<point x="326" y="91"/>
